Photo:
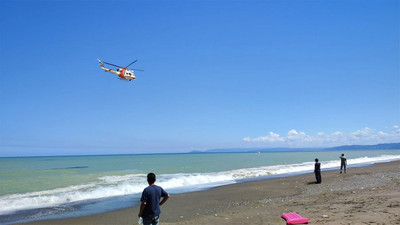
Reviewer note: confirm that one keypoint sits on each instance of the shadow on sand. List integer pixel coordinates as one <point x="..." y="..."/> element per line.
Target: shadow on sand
<point x="314" y="182"/>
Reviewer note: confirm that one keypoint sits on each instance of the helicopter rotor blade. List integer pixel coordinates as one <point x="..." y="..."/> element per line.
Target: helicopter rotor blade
<point x="131" y="63"/>
<point x="137" y="70"/>
<point x="112" y="64"/>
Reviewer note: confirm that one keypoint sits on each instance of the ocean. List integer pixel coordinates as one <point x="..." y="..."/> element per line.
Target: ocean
<point x="39" y="188"/>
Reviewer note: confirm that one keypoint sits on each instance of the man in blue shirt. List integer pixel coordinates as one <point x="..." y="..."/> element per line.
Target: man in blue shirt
<point x="150" y="201"/>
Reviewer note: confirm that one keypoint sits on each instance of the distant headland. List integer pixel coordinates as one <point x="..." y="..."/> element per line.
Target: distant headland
<point x="386" y="146"/>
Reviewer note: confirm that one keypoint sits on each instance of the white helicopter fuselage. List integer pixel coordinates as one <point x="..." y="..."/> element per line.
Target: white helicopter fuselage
<point x="126" y="74"/>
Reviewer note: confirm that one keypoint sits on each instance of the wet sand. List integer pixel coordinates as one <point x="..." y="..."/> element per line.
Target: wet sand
<point x="365" y="195"/>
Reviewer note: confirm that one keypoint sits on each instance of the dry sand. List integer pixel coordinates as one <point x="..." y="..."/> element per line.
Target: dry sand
<point x="365" y="195"/>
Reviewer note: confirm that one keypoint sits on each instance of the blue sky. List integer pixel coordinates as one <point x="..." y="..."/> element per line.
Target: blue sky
<point x="218" y="74"/>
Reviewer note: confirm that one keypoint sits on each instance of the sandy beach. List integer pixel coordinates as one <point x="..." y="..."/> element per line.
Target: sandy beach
<point x="365" y="195"/>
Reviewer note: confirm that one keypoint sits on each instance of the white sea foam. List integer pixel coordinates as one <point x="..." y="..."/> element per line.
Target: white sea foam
<point x="112" y="186"/>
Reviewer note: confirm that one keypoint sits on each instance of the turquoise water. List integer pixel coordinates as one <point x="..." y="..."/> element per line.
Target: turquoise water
<point x="36" y="183"/>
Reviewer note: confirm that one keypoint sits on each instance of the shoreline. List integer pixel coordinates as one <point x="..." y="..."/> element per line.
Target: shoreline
<point x="369" y="194"/>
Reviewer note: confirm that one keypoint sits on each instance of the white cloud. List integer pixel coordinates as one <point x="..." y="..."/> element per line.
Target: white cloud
<point x="271" y="137"/>
<point x="246" y="139"/>
<point x="396" y="129"/>
<point x="296" y="138"/>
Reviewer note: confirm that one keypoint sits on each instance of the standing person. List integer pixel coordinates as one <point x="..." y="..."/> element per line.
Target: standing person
<point x="317" y="171"/>
<point x="343" y="163"/>
<point x="150" y="201"/>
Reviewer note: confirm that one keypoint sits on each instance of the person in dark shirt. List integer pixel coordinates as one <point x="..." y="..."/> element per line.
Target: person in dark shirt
<point x="150" y="201"/>
<point x="317" y="171"/>
<point x="343" y="163"/>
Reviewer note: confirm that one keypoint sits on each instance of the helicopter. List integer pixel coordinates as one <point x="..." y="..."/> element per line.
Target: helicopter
<point x="122" y="72"/>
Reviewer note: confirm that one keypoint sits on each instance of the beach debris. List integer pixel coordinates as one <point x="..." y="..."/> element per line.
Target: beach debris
<point x="215" y="215"/>
<point x="325" y="216"/>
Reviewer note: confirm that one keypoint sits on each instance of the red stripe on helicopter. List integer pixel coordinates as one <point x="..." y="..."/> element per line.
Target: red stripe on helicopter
<point x="122" y="73"/>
